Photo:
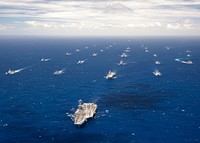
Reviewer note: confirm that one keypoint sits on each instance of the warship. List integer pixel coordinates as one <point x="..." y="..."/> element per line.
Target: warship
<point x="157" y="62"/>
<point x="111" y="75"/>
<point x="10" y="72"/>
<point x="84" y="112"/>
<point x="121" y="63"/>
<point x="157" y="73"/>
<point x="44" y="60"/>
<point x="58" y="72"/>
<point x="80" y="62"/>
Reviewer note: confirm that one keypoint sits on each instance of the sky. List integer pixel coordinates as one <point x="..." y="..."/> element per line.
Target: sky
<point x="100" y="17"/>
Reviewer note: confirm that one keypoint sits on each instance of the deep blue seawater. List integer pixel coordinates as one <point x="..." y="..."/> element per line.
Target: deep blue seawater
<point x="135" y="107"/>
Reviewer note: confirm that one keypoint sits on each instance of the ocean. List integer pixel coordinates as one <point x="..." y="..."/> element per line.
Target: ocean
<point x="135" y="107"/>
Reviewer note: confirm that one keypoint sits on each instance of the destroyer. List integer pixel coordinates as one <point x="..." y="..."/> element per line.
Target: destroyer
<point x="59" y="72"/>
<point x="45" y="60"/>
<point x="187" y="62"/>
<point x="94" y="55"/>
<point x="181" y="60"/>
<point x="123" y="55"/>
<point x="121" y="63"/>
<point x="10" y="72"/>
<point x="157" y="73"/>
<point x="84" y="112"/>
<point x="80" y="62"/>
<point x="110" y="75"/>
<point x="157" y="62"/>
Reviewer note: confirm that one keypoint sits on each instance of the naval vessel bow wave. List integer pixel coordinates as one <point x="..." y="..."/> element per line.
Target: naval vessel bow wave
<point x="11" y="72"/>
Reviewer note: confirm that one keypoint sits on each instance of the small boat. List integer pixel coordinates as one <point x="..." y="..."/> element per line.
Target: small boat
<point x="80" y="62"/>
<point x="178" y="59"/>
<point x="157" y="62"/>
<point x="167" y="47"/>
<point x="155" y="55"/>
<point x="146" y="49"/>
<point x="68" y="54"/>
<point x="84" y="112"/>
<point x="44" y="60"/>
<point x="110" y="75"/>
<point x="77" y="50"/>
<point x="59" y="72"/>
<point x="157" y="73"/>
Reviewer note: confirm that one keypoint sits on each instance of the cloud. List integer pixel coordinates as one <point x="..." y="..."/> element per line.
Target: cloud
<point x="173" y="26"/>
<point x="180" y="7"/>
<point x="4" y="27"/>
<point x="125" y="16"/>
<point x="39" y="24"/>
<point x="187" y="25"/>
<point x="144" y="25"/>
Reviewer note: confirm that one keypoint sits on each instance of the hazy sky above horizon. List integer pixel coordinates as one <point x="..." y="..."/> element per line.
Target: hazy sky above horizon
<point x="100" y="17"/>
